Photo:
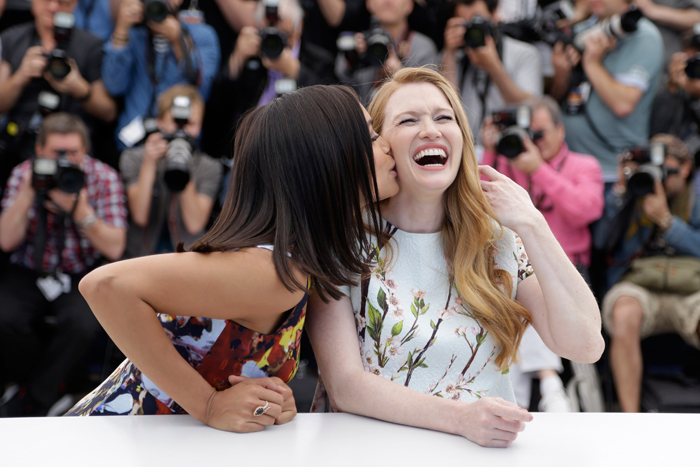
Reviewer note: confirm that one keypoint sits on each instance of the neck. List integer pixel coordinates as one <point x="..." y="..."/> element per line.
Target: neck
<point x="558" y="153"/>
<point x="415" y="214"/>
<point x="46" y="38"/>
<point x="395" y="29"/>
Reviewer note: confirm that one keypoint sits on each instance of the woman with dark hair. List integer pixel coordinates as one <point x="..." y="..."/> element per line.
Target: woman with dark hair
<point x="234" y="306"/>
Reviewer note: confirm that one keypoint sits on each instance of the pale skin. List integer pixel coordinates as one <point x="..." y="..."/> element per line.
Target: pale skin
<point x="627" y="312"/>
<point x="678" y="79"/>
<point x="564" y="312"/>
<point x="14" y="221"/>
<point x="675" y="18"/>
<point x="12" y="84"/>
<point x="195" y="207"/>
<point x="485" y="57"/>
<point x="126" y="296"/>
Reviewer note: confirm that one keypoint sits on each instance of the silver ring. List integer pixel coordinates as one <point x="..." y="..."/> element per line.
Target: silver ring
<point x="261" y="410"/>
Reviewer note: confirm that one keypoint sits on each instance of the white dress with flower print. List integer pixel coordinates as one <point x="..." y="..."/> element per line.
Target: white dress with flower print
<point x="415" y="330"/>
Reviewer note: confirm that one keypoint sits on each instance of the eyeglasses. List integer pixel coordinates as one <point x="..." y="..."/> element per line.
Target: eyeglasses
<point x="670" y="171"/>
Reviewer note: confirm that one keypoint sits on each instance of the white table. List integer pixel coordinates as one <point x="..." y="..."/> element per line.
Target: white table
<point x="579" y="439"/>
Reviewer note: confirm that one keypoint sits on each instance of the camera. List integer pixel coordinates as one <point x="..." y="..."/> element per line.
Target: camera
<point x="514" y="126"/>
<point x="477" y="30"/>
<point x="273" y="41"/>
<point x="155" y="10"/>
<point x="48" y="174"/>
<point x="617" y="26"/>
<point x="692" y="67"/>
<point x="346" y="45"/>
<point x="57" y="60"/>
<point x="543" y="26"/>
<point x="178" y="155"/>
<point x="48" y="104"/>
<point x="649" y="160"/>
<point x="378" y="42"/>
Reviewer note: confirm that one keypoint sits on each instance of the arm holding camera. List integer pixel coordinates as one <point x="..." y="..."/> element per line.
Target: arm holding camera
<point x="195" y="207"/>
<point x="678" y="78"/>
<point x="676" y="18"/>
<point x="140" y="194"/>
<point x="247" y="47"/>
<point x="12" y="84"/>
<point x="454" y="40"/>
<point x="620" y="98"/>
<point x="19" y="198"/>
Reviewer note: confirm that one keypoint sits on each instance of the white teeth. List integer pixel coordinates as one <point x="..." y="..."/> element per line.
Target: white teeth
<point x="430" y="152"/>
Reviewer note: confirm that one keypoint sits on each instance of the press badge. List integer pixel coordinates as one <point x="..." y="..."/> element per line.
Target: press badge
<point x="132" y="133"/>
<point x="577" y="98"/>
<point x="52" y="286"/>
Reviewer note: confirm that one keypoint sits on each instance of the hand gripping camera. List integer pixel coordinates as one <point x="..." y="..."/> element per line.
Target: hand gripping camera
<point x="477" y="31"/>
<point x="514" y="126"/>
<point x="60" y="173"/>
<point x="692" y="65"/>
<point x="57" y="60"/>
<point x="178" y="156"/>
<point x="378" y="42"/>
<point x="647" y="168"/>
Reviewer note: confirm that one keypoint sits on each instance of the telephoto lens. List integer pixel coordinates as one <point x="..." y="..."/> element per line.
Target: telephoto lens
<point x="647" y="168"/>
<point x="178" y="159"/>
<point x="514" y="127"/>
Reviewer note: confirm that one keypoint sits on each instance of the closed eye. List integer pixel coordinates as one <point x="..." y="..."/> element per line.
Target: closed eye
<point x="375" y="138"/>
<point x="445" y="118"/>
<point x="408" y="120"/>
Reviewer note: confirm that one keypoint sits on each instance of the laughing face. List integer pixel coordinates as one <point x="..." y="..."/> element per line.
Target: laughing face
<point x="425" y="139"/>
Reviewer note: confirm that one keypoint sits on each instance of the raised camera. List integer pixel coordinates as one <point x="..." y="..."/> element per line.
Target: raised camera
<point x="476" y="32"/>
<point x="155" y="10"/>
<point x="48" y="174"/>
<point x="544" y="26"/>
<point x="179" y="155"/>
<point x="616" y="26"/>
<point x="378" y="42"/>
<point x="57" y="60"/>
<point x="647" y="168"/>
<point x="692" y="67"/>
<point x="273" y="41"/>
<point x="513" y="127"/>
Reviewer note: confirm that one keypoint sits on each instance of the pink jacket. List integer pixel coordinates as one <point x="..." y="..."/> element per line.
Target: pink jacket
<point x="568" y="190"/>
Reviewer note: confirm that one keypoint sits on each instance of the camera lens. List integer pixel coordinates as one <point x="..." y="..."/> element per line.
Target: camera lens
<point x="69" y="178"/>
<point x="692" y="67"/>
<point x="273" y="42"/>
<point x="474" y="38"/>
<point x="58" y="67"/>
<point x="177" y="166"/>
<point x="156" y="10"/>
<point x="510" y="142"/>
<point x="640" y="184"/>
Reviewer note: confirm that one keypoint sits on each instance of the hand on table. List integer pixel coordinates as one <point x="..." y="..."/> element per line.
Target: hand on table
<point x="494" y="422"/>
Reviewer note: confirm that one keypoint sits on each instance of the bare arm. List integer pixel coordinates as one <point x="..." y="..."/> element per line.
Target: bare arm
<point x="333" y="11"/>
<point x="238" y="13"/>
<point x="564" y="311"/>
<point x="12" y="84"/>
<point x="241" y="285"/>
<point x="619" y="98"/>
<point x="195" y="208"/>
<point x="331" y="327"/>
<point x="675" y="18"/>
<point x="454" y="40"/>
<point x="15" y="220"/>
<point x="139" y="194"/>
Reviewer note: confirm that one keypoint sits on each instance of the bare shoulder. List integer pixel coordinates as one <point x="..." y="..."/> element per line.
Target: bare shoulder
<point x="238" y="285"/>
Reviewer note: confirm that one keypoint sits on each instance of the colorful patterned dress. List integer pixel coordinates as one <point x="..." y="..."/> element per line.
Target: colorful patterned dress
<point x="415" y="329"/>
<point x="216" y="348"/>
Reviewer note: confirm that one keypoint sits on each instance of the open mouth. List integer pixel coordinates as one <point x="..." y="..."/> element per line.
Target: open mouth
<point x="433" y="157"/>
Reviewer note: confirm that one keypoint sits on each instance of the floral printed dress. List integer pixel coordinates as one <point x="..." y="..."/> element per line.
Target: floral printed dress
<point x="216" y="348"/>
<point x="414" y="329"/>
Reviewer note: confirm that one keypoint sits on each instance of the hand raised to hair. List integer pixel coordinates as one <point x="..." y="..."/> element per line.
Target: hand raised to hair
<point x="493" y="422"/>
<point x="233" y="409"/>
<point x="510" y="202"/>
<point x="289" y="406"/>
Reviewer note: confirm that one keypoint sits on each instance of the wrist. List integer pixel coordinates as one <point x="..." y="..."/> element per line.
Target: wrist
<point x="87" y="220"/>
<point x="83" y="91"/>
<point x="665" y="221"/>
<point x="121" y="31"/>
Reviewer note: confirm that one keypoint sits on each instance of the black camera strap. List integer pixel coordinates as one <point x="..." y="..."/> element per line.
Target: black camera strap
<point x="481" y="80"/>
<point x="40" y="237"/>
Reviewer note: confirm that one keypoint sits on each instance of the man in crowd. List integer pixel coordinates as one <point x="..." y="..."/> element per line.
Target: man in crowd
<point x="567" y="188"/>
<point x="62" y="213"/>
<point x="405" y="48"/>
<point x="162" y="212"/>
<point x="26" y="84"/>
<point x="141" y="62"/>
<point x="672" y="17"/>
<point x="637" y="227"/>
<point x="502" y="72"/>
<point x="608" y="106"/>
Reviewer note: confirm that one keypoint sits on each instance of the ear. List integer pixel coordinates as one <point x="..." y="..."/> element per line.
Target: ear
<point x="561" y="130"/>
<point x="686" y="167"/>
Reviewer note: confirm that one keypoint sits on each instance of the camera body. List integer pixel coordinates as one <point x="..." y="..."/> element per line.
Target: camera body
<point x="155" y="10"/>
<point x="513" y="125"/>
<point x="60" y="173"/>
<point x="476" y="32"/>
<point x="649" y="160"/>
<point x="616" y="26"/>
<point x="544" y="26"/>
<point x="692" y="67"/>
<point x="57" y="60"/>
<point x="179" y="154"/>
<point x="378" y="42"/>
<point x="273" y="41"/>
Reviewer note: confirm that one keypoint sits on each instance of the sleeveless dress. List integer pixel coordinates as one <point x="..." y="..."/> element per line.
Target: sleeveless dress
<point x="415" y="329"/>
<point x="216" y="348"/>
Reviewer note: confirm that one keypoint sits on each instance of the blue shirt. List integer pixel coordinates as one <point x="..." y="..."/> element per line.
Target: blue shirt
<point x="95" y="17"/>
<point x="636" y="61"/>
<point x="125" y="71"/>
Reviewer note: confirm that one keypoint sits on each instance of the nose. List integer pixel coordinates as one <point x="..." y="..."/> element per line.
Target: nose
<point x="384" y="145"/>
<point x="429" y="129"/>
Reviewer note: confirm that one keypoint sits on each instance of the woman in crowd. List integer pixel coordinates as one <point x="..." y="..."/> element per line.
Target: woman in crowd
<point x="304" y="172"/>
<point x="449" y="297"/>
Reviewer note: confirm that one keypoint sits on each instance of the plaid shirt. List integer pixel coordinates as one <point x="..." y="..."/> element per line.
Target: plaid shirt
<point x="106" y="196"/>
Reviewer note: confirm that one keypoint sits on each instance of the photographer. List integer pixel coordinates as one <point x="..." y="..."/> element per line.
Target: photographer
<point x="62" y="213"/>
<point x="649" y="225"/>
<point x="34" y="59"/>
<point x="567" y="188"/>
<point x="403" y="47"/>
<point x="608" y="105"/>
<point x="141" y="61"/>
<point x="162" y="212"/>
<point x="501" y="72"/>
<point x="672" y="17"/>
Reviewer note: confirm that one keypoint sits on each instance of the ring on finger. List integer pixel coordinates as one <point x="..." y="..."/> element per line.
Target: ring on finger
<point x="261" y="410"/>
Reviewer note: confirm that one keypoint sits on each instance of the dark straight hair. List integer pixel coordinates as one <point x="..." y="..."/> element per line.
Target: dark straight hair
<point x="302" y="180"/>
